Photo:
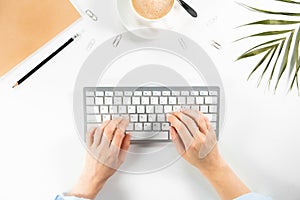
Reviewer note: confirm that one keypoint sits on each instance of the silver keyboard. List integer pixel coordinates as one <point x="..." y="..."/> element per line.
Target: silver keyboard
<point x="146" y="108"/>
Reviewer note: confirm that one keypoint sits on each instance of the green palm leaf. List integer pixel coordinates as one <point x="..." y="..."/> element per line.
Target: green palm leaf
<point x="275" y="64"/>
<point x="268" y="64"/>
<point x="285" y="48"/>
<point x="272" y="22"/>
<point x="267" y="33"/>
<point x="285" y="59"/>
<point x="289" y="1"/>
<point x="260" y="63"/>
<point x="270" y="12"/>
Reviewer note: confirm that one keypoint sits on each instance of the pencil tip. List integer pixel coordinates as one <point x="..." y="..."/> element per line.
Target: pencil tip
<point x="15" y="85"/>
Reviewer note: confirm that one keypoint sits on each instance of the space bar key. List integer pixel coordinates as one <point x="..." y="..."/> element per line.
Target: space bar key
<point x="159" y="135"/>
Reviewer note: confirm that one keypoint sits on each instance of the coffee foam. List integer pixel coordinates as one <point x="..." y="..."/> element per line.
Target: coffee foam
<point x="152" y="9"/>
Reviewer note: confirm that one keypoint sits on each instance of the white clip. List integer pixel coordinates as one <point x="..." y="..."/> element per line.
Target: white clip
<point x="182" y="43"/>
<point x="91" y="15"/>
<point x="117" y="41"/>
<point x="215" y="44"/>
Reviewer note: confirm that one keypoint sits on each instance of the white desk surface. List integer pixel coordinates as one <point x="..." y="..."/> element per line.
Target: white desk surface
<point x="41" y="154"/>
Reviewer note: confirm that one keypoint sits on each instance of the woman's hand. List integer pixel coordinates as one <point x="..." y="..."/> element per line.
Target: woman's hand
<point x="194" y="138"/>
<point x="107" y="146"/>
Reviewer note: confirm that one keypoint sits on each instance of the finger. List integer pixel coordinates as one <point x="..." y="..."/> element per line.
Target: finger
<point x="177" y="141"/>
<point x="124" y="147"/>
<point x="181" y="129"/>
<point x="188" y="122"/>
<point x="199" y="118"/>
<point x="90" y="136"/>
<point x="110" y="128"/>
<point x="208" y="125"/>
<point x="98" y="134"/>
<point x="120" y="133"/>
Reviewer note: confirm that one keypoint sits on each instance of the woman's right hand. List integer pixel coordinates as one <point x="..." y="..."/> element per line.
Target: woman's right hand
<point x="194" y="138"/>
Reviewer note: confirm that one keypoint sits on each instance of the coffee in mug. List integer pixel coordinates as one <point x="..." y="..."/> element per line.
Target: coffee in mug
<point x="152" y="9"/>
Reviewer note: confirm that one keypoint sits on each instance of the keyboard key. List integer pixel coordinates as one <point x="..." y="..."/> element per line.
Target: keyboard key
<point x="163" y="100"/>
<point x="125" y="116"/>
<point x="89" y="100"/>
<point x="194" y="93"/>
<point x="159" y="109"/>
<point x="145" y="100"/>
<point x="92" y="109"/>
<point x="126" y="100"/>
<point x="213" y="125"/>
<point x="213" y="109"/>
<point x="119" y="93"/>
<point x="147" y="93"/>
<point x="190" y="100"/>
<point x="104" y="109"/>
<point x="165" y="126"/>
<point x="176" y="108"/>
<point x="117" y="100"/>
<point x="130" y="127"/>
<point x="93" y="118"/>
<point x="127" y="93"/>
<point x="137" y="93"/>
<point x="172" y="100"/>
<point x="204" y="109"/>
<point x="134" y="118"/>
<point x="203" y="93"/>
<point x="211" y="117"/>
<point x="113" y="109"/>
<point x="211" y="100"/>
<point x="175" y="93"/>
<point x="156" y="127"/>
<point x="89" y="93"/>
<point x="147" y="127"/>
<point x="109" y="93"/>
<point x="213" y="93"/>
<point x="167" y="109"/>
<point x="143" y="118"/>
<point x="108" y="101"/>
<point x="114" y="116"/>
<point x="90" y="126"/>
<point x="166" y="93"/>
<point x="140" y="109"/>
<point x="199" y="100"/>
<point x="156" y="93"/>
<point x="154" y="100"/>
<point x="99" y="93"/>
<point x="195" y="108"/>
<point x="136" y="100"/>
<point x="99" y="100"/>
<point x="186" y="107"/>
<point x="152" y="117"/>
<point x="149" y="136"/>
<point x="122" y="109"/>
<point x="106" y="117"/>
<point x="131" y="109"/>
<point x="185" y="93"/>
<point x="161" y="117"/>
<point x="138" y="126"/>
<point x="149" y="109"/>
<point x="160" y="136"/>
<point x="181" y="100"/>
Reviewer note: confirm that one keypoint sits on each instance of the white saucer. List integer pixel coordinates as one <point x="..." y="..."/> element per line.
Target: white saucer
<point x="131" y="22"/>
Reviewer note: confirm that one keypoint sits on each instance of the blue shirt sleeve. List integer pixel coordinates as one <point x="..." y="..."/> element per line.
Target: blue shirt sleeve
<point x="62" y="197"/>
<point x="249" y="196"/>
<point x="253" y="196"/>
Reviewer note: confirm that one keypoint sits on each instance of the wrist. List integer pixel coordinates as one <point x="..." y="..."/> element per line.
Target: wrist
<point x="211" y="165"/>
<point x="87" y="187"/>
